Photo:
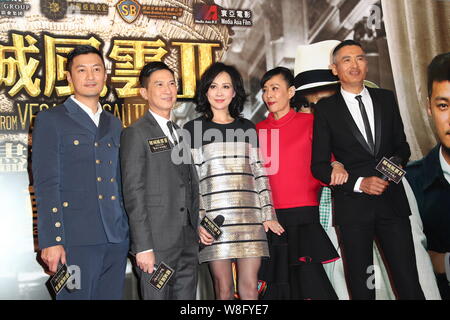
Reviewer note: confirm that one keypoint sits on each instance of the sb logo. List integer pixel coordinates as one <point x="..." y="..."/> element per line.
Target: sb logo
<point x="128" y="10"/>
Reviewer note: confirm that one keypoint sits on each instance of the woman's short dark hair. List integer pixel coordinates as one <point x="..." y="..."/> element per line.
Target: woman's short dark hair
<point x="237" y="103"/>
<point x="79" y="50"/>
<point x="285" y="72"/>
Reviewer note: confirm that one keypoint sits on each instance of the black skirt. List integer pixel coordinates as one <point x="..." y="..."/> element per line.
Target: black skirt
<point x="294" y="270"/>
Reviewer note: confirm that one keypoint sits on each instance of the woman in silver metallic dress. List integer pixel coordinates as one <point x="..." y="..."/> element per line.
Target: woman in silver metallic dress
<point x="233" y="183"/>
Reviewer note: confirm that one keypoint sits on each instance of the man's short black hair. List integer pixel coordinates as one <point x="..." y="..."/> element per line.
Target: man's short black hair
<point x="79" y="50"/>
<point x="438" y="70"/>
<point x="149" y="68"/>
<point x="345" y="43"/>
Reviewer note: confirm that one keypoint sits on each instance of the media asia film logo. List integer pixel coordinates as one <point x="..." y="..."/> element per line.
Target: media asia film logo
<point x="214" y="14"/>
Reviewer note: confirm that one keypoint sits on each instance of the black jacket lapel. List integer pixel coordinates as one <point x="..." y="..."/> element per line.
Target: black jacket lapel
<point x="377" y="112"/>
<point x="349" y="119"/>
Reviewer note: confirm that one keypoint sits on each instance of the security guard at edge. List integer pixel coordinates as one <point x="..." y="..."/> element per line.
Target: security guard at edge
<point x="76" y="173"/>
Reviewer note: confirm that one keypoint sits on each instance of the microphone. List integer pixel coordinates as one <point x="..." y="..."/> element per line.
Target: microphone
<point x="219" y="220"/>
<point x="213" y="227"/>
<point x="390" y="169"/>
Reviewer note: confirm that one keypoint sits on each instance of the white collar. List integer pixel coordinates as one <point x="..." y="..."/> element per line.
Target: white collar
<point x="444" y="165"/>
<point x="86" y="108"/>
<point x="351" y="96"/>
<point x="161" y="120"/>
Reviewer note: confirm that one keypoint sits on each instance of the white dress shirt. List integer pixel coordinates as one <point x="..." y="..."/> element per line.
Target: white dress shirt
<point x="353" y="107"/>
<point x="94" y="116"/>
<point x="163" y="125"/>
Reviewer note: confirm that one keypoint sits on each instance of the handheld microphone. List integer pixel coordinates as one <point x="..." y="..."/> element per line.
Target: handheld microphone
<point x="219" y="220"/>
<point x="213" y="227"/>
<point x="390" y="169"/>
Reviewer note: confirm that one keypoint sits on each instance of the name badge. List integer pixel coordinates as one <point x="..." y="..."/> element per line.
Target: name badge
<point x="159" y="144"/>
<point x="59" y="280"/>
<point x="161" y="276"/>
<point x="390" y="170"/>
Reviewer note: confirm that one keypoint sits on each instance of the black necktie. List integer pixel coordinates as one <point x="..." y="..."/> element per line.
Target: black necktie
<point x="362" y="108"/>
<point x="172" y="133"/>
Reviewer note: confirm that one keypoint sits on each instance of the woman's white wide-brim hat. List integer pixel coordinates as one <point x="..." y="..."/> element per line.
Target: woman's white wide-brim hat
<point x="312" y="63"/>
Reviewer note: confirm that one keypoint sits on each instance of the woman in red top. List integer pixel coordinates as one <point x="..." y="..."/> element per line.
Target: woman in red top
<point x="295" y="269"/>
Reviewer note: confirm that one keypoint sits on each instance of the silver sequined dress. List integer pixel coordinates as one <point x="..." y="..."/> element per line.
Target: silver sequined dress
<point x="233" y="184"/>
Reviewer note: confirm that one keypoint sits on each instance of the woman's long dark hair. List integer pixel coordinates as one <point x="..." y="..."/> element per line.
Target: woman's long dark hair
<point x="237" y="103"/>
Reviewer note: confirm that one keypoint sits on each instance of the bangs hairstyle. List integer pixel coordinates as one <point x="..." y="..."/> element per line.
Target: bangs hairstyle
<point x="438" y="70"/>
<point x="284" y="72"/>
<point x="79" y="50"/>
<point x="237" y="103"/>
<point x="149" y="68"/>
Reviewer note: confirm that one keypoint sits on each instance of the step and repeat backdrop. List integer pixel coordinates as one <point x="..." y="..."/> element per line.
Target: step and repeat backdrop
<point x="37" y="35"/>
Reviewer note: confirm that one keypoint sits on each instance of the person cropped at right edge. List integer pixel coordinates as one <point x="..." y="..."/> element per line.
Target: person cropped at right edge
<point x="429" y="177"/>
<point x="360" y="126"/>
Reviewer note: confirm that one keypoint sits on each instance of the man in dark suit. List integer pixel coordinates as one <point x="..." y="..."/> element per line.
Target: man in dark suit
<point x="76" y="171"/>
<point x="430" y="177"/>
<point x="160" y="193"/>
<point x="359" y="126"/>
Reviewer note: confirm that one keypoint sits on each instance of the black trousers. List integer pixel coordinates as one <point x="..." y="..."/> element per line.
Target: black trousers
<point x="394" y="238"/>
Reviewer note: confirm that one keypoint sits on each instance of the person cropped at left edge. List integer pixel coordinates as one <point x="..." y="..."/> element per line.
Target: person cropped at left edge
<point x="76" y="172"/>
<point x="160" y="192"/>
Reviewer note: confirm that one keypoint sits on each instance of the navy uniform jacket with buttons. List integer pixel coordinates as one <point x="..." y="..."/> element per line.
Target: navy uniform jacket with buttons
<point x="76" y="173"/>
<point x="432" y="193"/>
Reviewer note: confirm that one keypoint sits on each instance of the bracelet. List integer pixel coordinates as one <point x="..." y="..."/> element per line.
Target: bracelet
<point x="336" y="162"/>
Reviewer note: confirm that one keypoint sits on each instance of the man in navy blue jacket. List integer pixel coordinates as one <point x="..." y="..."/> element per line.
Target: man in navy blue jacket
<point x="76" y="172"/>
<point x="430" y="177"/>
